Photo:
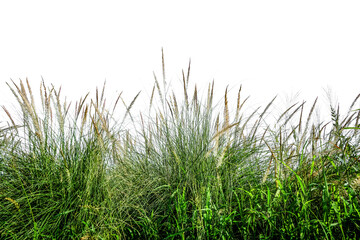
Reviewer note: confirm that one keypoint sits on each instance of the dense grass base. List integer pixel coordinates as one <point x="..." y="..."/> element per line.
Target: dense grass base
<point x="187" y="172"/>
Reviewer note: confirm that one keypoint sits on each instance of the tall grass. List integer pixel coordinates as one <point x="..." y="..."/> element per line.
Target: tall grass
<point x="189" y="171"/>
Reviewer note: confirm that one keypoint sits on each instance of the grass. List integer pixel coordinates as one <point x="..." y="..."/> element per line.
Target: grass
<point x="189" y="170"/>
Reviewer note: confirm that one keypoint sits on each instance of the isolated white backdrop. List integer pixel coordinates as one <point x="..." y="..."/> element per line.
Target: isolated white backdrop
<point x="270" y="47"/>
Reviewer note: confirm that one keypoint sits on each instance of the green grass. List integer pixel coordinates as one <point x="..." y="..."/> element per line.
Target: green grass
<point x="189" y="170"/>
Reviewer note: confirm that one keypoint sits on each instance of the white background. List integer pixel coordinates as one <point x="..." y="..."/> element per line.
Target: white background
<point x="270" y="47"/>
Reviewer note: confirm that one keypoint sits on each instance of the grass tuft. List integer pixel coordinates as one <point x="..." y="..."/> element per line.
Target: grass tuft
<point x="188" y="171"/>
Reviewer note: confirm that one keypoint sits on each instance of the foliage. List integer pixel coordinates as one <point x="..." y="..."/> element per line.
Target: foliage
<point x="187" y="172"/>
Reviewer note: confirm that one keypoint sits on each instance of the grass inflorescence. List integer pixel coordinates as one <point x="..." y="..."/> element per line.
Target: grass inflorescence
<point x="187" y="171"/>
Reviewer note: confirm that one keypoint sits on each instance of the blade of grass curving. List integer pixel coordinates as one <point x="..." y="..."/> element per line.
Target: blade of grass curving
<point x="300" y="118"/>
<point x="188" y="74"/>
<point x="308" y="121"/>
<point x="170" y="108"/>
<point x="163" y="67"/>
<point x="257" y="123"/>
<point x="226" y="109"/>
<point x="223" y="130"/>
<point x="102" y="92"/>
<point x="9" y="115"/>
<point x="286" y="111"/>
<point x="79" y="107"/>
<point x="116" y="102"/>
<point x="185" y="91"/>
<point x="175" y="105"/>
<point x="293" y="113"/>
<point x="162" y="99"/>
<point x="129" y="108"/>
<point x="353" y="103"/>
<point x="83" y="119"/>
<point x="247" y="120"/>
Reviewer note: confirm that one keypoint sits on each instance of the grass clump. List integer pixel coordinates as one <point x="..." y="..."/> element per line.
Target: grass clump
<point x="188" y="171"/>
